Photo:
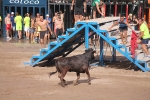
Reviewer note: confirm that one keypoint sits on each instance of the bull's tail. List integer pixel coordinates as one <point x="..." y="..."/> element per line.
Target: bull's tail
<point x="51" y="73"/>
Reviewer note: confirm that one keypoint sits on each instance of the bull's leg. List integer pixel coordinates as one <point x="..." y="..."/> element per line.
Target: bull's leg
<point x="59" y="76"/>
<point x="88" y="74"/>
<point x="78" y="77"/>
<point x="62" y="78"/>
<point x="65" y="81"/>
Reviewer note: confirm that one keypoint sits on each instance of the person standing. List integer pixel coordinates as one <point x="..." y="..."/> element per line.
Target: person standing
<point x="79" y="9"/>
<point x="13" y="24"/>
<point x="97" y="4"/>
<point x="59" y="26"/>
<point x="27" y="25"/>
<point x="123" y="27"/>
<point x="8" y="24"/>
<point x="49" y="20"/>
<point x="32" y="29"/>
<point x="43" y="24"/>
<point x="144" y="36"/>
<point x="130" y="21"/>
<point x="18" y="21"/>
<point x="135" y="21"/>
<point x="37" y="35"/>
<point x="54" y="20"/>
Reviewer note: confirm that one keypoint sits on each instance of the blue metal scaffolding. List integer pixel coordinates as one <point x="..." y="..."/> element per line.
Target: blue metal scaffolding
<point x="79" y="35"/>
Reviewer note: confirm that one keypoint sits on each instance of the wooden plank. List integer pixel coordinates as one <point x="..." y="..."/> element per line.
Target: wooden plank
<point x="102" y="20"/>
<point x="146" y="59"/>
<point x="107" y="27"/>
<point x="138" y="51"/>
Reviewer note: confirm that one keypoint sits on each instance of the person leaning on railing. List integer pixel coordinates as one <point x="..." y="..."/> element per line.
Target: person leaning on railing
<point x="123" y="28"/>
<point x="96" y="5"/>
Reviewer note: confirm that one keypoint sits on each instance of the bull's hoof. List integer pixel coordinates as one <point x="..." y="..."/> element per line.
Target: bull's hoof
<point x="65" y="82"/>
<point x="89" y="82"/>
<point x="75" y="83"/>
<point x="63" y="85"/>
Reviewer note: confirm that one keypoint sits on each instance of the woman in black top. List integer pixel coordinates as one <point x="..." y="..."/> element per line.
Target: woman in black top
<point x="130" y="21"/>
<point x="135" y="21"/>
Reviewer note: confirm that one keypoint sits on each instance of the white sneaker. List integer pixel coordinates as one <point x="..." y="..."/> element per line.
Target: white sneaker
<point x="8" y="38"/>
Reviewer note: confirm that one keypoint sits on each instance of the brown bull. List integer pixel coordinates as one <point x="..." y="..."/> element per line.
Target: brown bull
<point x="78" y="64"/>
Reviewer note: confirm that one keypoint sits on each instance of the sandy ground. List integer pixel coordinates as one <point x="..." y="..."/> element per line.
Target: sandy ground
<point x="19" y="82"/>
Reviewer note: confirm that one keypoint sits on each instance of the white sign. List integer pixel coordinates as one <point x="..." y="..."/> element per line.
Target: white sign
<point x="24" y="1"/>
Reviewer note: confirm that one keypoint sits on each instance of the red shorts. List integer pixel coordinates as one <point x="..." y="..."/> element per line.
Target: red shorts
<point x="8" y="27"/>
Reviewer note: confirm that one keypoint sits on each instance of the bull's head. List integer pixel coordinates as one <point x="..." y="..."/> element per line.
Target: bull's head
<point x="91" y="52"/>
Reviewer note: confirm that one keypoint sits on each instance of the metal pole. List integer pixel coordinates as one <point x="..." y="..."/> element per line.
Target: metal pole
<point x="121" y="8"/>
<point x="91" y="10"/>
<point x="126" y="11"/>
<point x="4" y="31"/>
<point x="132" y="9"/>
<point x="65" y="17"/>
<point x="86" y="36"/>
<point x="40" y="10"/>
<point x="28" y="9"/>
<point x="110" y="10"/>
<point x="114" y="52"/>
<point x="70" y="17"/>
<point x="16" y="32"/>
<point x="101" y="57"/>
<point x="54" y="9"/>
<point x="139" y="9"/>
<point x="115" y="10"/>
<point x="48" y="6"/>
<point x="143" y="9"/>
<point x="33" y="13"/>
<point x="9" y="9"/>
<point x="21" y="11"/>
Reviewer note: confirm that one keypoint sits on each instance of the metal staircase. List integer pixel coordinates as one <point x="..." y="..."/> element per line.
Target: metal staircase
<point x="78" y="35"/>
<point x="64" y="45"/>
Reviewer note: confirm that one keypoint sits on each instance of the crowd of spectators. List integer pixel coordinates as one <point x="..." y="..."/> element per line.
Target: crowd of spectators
<point x="65" y="1"/>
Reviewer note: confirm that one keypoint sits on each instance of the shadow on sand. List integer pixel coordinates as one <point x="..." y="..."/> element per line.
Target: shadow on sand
<point x="80" y="81"/>
<point x="121" y="63"/>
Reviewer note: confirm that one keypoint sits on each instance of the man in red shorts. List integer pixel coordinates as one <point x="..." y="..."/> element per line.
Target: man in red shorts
<point x="8" y="24"/>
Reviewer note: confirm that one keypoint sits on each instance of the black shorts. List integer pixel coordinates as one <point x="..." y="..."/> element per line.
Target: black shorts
<point x="78" y="10"/>
<point x="32" y="30"/>
<point x="59" y="32"/>
<point x="122" y="29"/>
<point x="94" y="8"/>
<point x="145" y="41"/>
<point x="42" y="34"/>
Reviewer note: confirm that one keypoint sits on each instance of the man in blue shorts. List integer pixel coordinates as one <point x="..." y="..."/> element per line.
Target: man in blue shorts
<point x="13" y="24"/>
<point x="123" y="27"/>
